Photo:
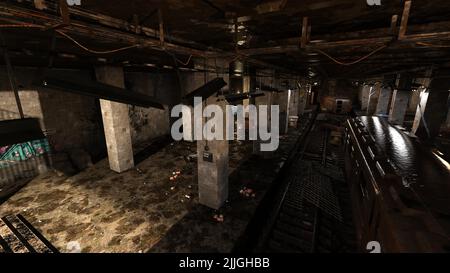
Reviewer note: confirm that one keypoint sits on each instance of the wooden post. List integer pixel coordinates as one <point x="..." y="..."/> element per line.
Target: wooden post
<point x="161" y="27"/>
<point x="304" y="38"/>
<point x="404" y="22"/>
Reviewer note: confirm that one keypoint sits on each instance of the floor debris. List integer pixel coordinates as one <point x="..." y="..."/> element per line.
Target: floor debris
<point x="218" y="218"/>
<point x="247" y="192"/>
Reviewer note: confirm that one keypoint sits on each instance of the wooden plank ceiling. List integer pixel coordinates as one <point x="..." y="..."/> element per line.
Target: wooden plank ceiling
<point x="337" y="35"/>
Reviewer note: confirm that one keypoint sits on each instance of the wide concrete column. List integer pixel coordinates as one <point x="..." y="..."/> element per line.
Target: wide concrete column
<point x="373" y="99"/>
<point x="302" y="99"/>
<point x="365" y="96"/>
<point x="433" y="106"/>
<point x="446" y="125"/>
<point x="213" y="167"/>
<point x="246" y="89"/>
<point x="116" y="122"/>
<point x="188" y="124"/>
<point x="293" y="106"/>
<point x="400" y="98"/>
<point x="384" y="98"/>
<point x="282" y="100"/>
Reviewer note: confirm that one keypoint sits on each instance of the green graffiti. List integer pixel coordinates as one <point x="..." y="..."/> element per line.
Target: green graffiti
<point x="23" y="151"/>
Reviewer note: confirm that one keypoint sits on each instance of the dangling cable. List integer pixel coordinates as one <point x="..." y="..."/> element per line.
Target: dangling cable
<point x="354" y="62"/>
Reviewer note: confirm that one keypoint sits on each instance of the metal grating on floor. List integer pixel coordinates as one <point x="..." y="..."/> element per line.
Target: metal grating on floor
<point x="315" y="189"/>
<point x="318" y="191"/>
<point x="17" y="235"/>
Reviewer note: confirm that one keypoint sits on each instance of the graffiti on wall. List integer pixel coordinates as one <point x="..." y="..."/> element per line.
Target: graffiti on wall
<point x="23" y="151"/>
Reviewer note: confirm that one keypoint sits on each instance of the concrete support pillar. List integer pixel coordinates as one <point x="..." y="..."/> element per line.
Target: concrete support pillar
<point x="385" y="96"/>
<point x="383" y="100"/>
<point x="400" y="98"/>
<point x="302" y="99"/>
<point x="373" y="99"/>
<point x="365" y="96"/>
<point x="282" y="99"/>
<point x="399" y="104"/>
<point x="293" y="106"/>
<point x="246" y="89"/>
<point x="188" y="125"/>
<point x="433" y="106"/>
<point x="213" y="167"/>
<point x="116" y="122"/>
<point x="446" y="125"/>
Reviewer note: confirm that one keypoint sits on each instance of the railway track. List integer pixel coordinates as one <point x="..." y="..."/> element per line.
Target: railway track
<point x="17" y="235"/>
<point x="312" y="214"/>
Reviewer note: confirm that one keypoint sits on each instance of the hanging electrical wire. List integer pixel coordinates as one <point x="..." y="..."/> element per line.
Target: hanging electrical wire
<point x="94" y="51"/>
<point x="70" y="38"/>
<point x="181" y="62"/>
<point x="354" y="62"/>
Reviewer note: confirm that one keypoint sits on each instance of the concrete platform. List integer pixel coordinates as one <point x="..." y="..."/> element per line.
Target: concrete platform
<point x="141" y="210"/>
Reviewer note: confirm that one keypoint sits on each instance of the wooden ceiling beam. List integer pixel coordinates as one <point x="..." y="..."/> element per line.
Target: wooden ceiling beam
<point x="121" y="32"/>
<point x="404" y="21"/>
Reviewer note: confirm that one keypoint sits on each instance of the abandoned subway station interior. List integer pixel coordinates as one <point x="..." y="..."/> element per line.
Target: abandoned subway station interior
<point x="224" y="126"/>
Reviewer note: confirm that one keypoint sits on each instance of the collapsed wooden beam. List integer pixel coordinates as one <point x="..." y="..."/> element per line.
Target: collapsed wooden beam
<point x="205" y="91"/>
<point x="266" y="88"/>
<point x="233" y="98"/>
<point x="19" y="130"/>
<point x="99" y="90"/>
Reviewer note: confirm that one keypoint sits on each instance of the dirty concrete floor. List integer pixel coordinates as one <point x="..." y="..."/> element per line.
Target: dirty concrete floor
<point x="141" y="210"/>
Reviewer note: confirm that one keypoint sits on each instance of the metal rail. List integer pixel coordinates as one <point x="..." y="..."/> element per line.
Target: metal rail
<point x="307" y="215"/>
